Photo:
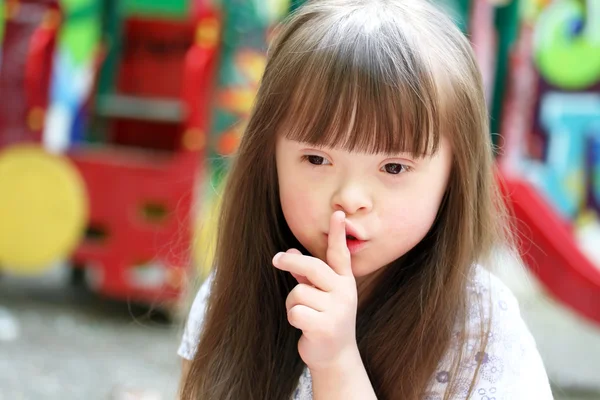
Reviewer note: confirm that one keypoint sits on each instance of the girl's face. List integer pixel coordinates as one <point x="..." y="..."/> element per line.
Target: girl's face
<point x="390" y="201"/>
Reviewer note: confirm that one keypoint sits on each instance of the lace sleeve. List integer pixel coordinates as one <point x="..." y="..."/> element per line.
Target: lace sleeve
<point x="191" y="333"/>
<point x="511" y="366"/>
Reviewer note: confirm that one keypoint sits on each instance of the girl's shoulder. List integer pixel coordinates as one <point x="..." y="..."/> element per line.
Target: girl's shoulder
<point x="510" y="365"/>
<point x="484" y="286"/>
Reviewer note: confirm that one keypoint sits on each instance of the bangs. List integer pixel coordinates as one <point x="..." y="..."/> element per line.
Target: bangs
<point x="355" y="94"/>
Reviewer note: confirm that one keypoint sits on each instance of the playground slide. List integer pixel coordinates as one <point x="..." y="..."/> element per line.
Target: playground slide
<point x="550" y="252"/>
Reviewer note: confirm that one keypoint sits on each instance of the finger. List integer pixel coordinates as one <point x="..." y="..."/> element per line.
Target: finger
<point x="299" y="278"/>
<point x="308" y="296"/>
<point x="303" y="317"/>
<point x="315" y="270"/>
<point x="338" y="255"/>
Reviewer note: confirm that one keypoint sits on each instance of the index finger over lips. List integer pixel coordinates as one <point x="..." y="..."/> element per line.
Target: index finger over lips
<point x="338" y="255"/>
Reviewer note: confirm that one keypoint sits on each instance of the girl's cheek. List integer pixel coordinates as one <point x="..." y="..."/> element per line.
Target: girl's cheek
<point x="412" y="220"/>
<point x="301" y="210"/>
<point x="297" y="205"/>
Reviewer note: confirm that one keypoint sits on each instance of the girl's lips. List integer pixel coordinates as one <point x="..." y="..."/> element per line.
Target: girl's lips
<point x="352" y="231"/>
<point x="355" y="245"/>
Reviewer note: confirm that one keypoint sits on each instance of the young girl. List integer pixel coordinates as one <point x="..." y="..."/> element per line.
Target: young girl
<point x="357" y="224"/>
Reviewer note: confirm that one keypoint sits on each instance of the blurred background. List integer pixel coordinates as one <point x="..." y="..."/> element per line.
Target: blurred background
<point x="116" y="120"/>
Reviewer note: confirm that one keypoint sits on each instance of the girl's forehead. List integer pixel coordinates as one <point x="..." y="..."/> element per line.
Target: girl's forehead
<point x="362" y="113"/>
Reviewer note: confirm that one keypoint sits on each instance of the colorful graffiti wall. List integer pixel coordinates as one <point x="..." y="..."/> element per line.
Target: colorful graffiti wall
<point x="555" y="142"/>
<point x="550" y="127"/>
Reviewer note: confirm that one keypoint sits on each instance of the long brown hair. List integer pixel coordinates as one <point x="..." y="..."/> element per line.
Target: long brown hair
<point x="363" y="75"/>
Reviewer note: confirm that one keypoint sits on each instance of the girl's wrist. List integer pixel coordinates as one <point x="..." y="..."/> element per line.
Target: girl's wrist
<point x="344" y="378"/>
<point x="347" y="361"/>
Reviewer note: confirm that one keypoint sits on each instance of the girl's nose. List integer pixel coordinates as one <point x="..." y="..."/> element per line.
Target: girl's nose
<point x="351" y="199"/>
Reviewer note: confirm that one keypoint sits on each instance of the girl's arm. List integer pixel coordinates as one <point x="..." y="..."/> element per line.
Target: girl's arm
<point x="348" y="380"/>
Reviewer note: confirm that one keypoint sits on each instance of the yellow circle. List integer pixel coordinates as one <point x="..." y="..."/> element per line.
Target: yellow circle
<point x="43" y="209"/>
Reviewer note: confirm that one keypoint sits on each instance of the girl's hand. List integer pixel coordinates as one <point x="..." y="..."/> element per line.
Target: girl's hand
<point x="323" y="305"/>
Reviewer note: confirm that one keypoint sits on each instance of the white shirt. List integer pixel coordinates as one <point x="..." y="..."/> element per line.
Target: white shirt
<point x="512" y="368"/>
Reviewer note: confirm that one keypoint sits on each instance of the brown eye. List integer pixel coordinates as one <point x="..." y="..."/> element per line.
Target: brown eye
<point x="394" y="169"/>
<point x="316" y="160"/>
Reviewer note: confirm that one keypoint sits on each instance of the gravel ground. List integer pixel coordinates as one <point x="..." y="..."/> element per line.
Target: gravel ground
<point x="58" y="342"/>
